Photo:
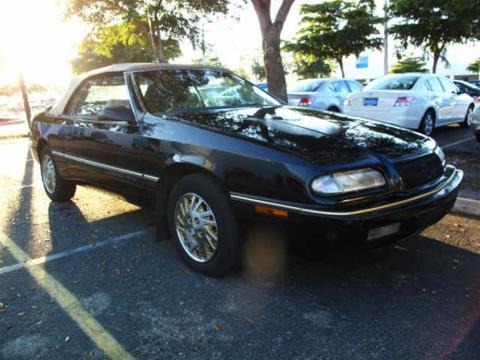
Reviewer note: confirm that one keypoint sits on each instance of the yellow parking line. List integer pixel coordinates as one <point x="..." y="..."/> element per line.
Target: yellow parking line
<point x="70" y="304"/>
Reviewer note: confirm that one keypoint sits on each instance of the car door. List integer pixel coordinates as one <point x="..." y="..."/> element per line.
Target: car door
<point x="340" y="90"/>
<point x="458" y="107"/>
<point x="441" y="100"/>
<point x="102" y="151"/>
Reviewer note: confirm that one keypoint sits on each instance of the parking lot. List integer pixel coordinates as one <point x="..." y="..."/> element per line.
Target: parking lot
<point x="86" y="279"/>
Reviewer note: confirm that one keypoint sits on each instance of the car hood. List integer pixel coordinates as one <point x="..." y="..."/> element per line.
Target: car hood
<point x="312" y="134"/>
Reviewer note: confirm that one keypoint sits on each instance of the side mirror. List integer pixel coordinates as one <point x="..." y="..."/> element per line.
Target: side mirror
<point x="117" y="113"/>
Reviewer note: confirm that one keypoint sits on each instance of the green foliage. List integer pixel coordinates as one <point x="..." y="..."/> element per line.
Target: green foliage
<point x="474" y="66"/>
<point x="211" y="61"/>
<point x="118" y="43"/>
<point x="336" y="29"/>
<point x="409" y="64"/>
<point x="433" y="24"/>
<point x="309" y="66"/>
<point x="258" y="70"/>
<point x="240" y="71"/>
<point x="139" y="30"/>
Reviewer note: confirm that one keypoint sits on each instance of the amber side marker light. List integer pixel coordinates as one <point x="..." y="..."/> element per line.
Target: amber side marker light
<point x="264" y="210"/>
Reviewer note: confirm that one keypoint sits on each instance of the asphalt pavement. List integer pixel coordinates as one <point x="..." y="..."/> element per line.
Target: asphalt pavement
<point x="86" y="280"/>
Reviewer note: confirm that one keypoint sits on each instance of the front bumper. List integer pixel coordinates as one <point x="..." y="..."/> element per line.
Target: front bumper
<point x="413" y="214"/>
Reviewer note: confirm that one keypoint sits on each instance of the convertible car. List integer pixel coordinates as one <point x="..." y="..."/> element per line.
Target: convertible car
<point x="211" y="150"/>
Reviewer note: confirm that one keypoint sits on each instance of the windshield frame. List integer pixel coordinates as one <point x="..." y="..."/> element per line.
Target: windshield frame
<point x="140" y="97"/>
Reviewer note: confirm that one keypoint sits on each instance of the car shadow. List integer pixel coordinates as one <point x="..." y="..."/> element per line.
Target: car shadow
<point x="419" y="297"/>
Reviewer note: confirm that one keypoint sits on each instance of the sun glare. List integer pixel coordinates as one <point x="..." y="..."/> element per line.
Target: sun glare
<point x="37" y="41"/>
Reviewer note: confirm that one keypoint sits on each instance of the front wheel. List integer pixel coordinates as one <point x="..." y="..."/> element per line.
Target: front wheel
<point x="427" y="124"/>
<point x="203" y="225"/>
<point x="57" y="188"/>
<point x="467" y="122"/>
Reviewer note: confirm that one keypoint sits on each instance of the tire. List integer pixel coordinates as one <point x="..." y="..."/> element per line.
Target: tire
<point x="467" y="122"/>
<point x="57" y="188"/>
<point x="195" y="241"/>
<point x="428" y="123"/>
<point x="333" y="109"/>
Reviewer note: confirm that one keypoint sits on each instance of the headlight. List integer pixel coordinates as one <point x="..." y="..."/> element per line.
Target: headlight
<point x="345" y="182"/>
<point x="441" y="155"/>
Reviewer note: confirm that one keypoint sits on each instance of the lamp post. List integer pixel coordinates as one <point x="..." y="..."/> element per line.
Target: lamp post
<point x="385" y="38"/>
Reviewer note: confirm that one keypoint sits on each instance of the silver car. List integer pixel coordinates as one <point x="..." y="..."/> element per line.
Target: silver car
<point x="476" y="120"/>
<point x="415" y="101"/>
<point x="325" y="94"/>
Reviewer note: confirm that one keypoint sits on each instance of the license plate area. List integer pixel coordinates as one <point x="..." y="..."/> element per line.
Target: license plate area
<point x="370" y="101"/>
<point x="383" y="231"/>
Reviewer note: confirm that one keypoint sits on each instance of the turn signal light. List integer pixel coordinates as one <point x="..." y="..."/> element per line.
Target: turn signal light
<point x="265" y="210"/>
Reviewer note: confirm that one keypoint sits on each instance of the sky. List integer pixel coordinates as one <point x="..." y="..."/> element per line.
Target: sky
<point x="42" y="43"/>
<point x="37" y="40"/>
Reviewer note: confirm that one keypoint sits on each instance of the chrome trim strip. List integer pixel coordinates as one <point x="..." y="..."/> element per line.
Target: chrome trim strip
<point x="151" y="177"/>
<point x="303" y="210"/>
<point x="105" y="166"/>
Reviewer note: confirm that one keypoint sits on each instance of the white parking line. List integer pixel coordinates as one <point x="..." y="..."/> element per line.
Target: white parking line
<point x="458" y="142"/>
<point x="77" y="250"/>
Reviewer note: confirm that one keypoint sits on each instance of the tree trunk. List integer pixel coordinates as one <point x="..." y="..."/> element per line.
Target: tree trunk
<point x="437" y="52"/>
<point x="160" y="52"/>
<point x="26" y="103"/>
<point x="340" y="63"/>
<point x="272" y="59"/>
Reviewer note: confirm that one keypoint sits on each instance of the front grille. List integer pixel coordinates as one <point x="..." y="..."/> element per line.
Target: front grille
<point x="419" y="171"/>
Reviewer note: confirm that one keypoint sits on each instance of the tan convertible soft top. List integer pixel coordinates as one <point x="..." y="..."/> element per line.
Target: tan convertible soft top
<point x="59" y="107"/>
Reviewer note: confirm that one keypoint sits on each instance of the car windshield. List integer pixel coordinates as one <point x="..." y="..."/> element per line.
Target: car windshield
<point x="183" y="90"/>
<point x="393" y="83"/>
<point x="306" y="86"/>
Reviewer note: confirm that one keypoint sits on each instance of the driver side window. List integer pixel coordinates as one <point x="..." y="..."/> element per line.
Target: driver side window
<point x="96" y="93"/>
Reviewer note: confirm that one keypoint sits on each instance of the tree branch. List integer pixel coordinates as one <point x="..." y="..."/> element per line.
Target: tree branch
<point x="283" y="12"/>
<point x="262" y="8"/>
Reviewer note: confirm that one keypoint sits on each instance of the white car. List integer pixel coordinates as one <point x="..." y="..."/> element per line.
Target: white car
<point x="415" y="101"/>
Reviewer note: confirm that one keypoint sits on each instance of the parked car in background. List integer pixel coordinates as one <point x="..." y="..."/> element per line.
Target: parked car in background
<point x="415" y="101"/>
<point x="325" y="94"/>
<point x="475" y="82"/>
<point x="465" y="87"/>
<point x="263" y="86"/>
<point x="476" y="121"/>
<point x="210" y="149"/>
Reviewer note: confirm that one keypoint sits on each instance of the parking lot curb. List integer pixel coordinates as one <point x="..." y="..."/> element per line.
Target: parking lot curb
<point x="466" y="206"/>
<point x="13" y="136"/>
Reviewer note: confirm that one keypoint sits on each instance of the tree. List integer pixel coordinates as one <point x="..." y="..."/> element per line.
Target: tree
<point x="309" y="66"/>
<point x="123" y="42"/>
<point x="336" y="29"/>
<point x="258" y="70"/>
<point x="162" y="20"/>
<point x="272" y="57"/>
<point x="211" y="61"/>
<point x="409" y="64"/>
<point x="474" y="66"/>
<point x="433" y="24"/>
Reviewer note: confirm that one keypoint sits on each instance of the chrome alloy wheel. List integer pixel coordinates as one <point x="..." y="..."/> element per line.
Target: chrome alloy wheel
<point x="428" y="124"/>
<point x="48" y="173"/>
<point x="196" y="227"/>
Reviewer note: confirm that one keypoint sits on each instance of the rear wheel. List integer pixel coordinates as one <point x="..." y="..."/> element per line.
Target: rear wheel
<point x="333" y="109"/>
<point x="203" y="225"/>
<point x="57" y="188"/>
<point x="467" y="122"/>
<point x="428" y="123"/>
